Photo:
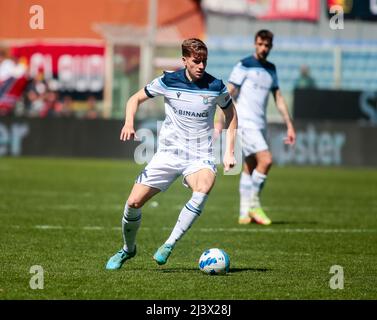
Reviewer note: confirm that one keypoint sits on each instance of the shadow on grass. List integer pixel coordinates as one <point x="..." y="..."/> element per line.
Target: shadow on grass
<point x="232" y="270"/>
<point x="295" y="222"/>
<point x="177" y="270"/>
<point x="235" y="270"/>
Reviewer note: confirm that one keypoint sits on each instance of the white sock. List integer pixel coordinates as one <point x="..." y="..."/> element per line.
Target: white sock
<point x="257" y="179"/>
<point x="130" y="224"/>
<point x="245" y="191"/>
<point x="190" y="212"/>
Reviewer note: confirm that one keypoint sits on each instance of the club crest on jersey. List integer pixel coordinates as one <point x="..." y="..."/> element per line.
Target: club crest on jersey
<point x="205" y="99"/>
<point x="178" y="94"/>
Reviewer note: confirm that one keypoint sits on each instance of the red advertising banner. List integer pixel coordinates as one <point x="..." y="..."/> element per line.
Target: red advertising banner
<point x="77" y="68"/>
<point x="293" y="10"/>
<point x="308" y="10"/>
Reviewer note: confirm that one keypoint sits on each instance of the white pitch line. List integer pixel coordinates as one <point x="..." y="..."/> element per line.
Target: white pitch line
<point x="242" y="230"/>
<point x="92" y="228"/>
<point x="47" y="227"/>
<point x="287" y="230"/>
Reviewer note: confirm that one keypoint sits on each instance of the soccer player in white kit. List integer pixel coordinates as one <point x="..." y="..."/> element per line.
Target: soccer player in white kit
<point x="184" y="149"/>
<point x="250" y="83"/>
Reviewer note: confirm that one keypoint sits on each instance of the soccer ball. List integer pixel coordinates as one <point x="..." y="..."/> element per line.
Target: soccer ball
<point x="214" y="261"/>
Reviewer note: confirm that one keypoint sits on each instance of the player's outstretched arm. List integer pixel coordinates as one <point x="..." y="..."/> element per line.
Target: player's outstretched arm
<point x="128" y="130"/>
<point x="231" y="125"/>
<point x="283" y="109"/>
<point x="219" y="117"/>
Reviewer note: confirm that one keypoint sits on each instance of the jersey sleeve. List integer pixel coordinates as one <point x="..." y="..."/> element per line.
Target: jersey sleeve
<point x="224" y="99"/>
<point x="155" y="88"/>
<point x="238" y="75"/>
<point x="275" y="81"/>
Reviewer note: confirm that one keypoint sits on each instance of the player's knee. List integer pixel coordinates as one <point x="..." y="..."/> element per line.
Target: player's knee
<point x="134" y="202"/>
<point x="204" y="188"/>
<point x="267" y="162"/>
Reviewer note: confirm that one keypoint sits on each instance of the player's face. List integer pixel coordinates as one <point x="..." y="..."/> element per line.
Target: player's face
<point x="262" y="48"/>
<point x="195" y="66"/>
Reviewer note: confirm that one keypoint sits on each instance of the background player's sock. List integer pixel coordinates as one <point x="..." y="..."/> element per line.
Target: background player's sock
<point x="257" y="179"/>
<point x="190" y="212"/>
<point x="245" y="191"/>
<point x="130" y="224"/>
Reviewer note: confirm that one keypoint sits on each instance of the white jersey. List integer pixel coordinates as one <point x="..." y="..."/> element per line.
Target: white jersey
<point x="255" y="80"/>
<point x="190" y="107"/>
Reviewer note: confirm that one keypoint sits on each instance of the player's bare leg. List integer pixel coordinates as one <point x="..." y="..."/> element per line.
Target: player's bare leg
<point x="264" y="161"/>
<point x="130" y="223"/>
<point x="201" y="183"/>
<point x="140" y="194"/>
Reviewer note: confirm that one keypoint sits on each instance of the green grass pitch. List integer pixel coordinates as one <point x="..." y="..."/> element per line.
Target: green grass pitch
<point x="64" y="215"/>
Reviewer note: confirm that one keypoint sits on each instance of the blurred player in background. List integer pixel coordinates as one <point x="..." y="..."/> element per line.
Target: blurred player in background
<point x="185" y="146"/>
<point x="250" y="83"/>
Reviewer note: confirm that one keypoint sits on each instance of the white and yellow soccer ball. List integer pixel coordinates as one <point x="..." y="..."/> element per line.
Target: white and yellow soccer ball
<point x="214" y="261"/>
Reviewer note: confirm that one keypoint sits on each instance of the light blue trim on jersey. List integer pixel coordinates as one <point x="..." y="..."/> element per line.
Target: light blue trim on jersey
<point x="217" y="93"/>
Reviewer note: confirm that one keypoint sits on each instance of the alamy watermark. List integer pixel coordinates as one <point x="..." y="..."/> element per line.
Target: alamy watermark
<point x="37" y="280"/>
<point x="337" y="280"/>
<point x="36" y="21"/>
<point x="337" y="20"/>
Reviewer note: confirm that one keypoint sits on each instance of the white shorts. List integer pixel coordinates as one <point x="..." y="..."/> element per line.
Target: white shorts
<point x="165" y="168"/>
<point x="252" y="140"/>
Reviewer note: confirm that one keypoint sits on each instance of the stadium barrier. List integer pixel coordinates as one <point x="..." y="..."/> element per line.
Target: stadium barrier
<point x="325" y="143"/>
<point x="63" y="138"/>
<point x="335" y="105"/>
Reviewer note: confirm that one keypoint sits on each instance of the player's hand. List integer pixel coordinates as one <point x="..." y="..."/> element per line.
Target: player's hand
<point x="291" y="136"/>
<point x="229" y="161"/>
<point x="127" y="133"/>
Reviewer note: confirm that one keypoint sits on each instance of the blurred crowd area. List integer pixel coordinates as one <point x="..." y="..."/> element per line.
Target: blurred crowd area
<point x="26" y="96"/>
